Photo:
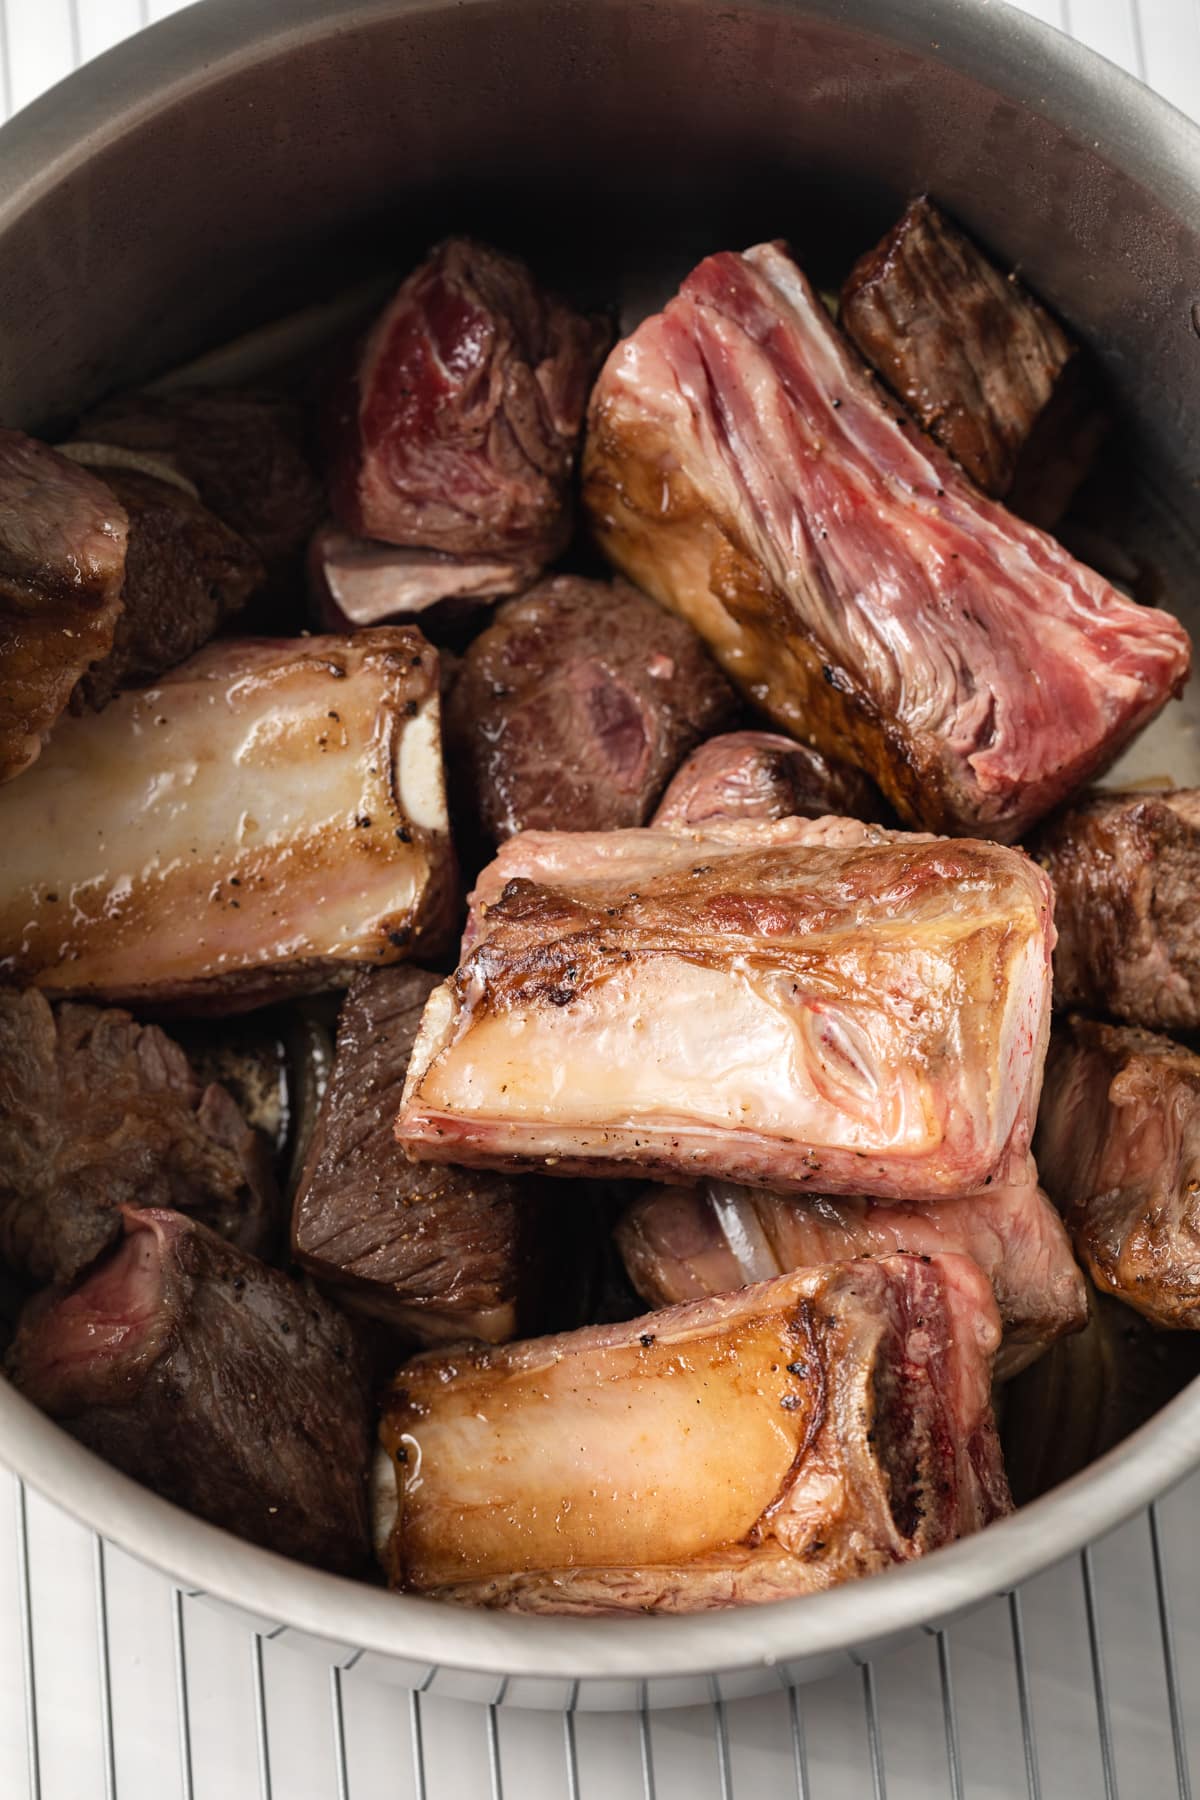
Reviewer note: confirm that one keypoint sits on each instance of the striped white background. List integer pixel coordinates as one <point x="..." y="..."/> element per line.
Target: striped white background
<point x="112" y="1685"/>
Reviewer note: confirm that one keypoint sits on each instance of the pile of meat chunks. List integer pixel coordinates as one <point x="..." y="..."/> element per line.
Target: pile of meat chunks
<point x="670" y="916"/>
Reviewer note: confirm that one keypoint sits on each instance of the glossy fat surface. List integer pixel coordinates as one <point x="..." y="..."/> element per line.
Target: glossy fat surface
<point x="269" y="811"/>
<point x="746" y="1447"/>
<point x="681" y="1243"/>
<point x="808" y="1005"/>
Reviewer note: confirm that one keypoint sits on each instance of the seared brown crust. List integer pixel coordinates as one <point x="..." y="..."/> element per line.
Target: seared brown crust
<point x="1118" y="1144"/>
<point x="185" y="574"/>
<point x="62" y="565"/>
<point x="97" y="1112"/>
<point x="980" y="363"/>
<point x="650" y="522"/>
<point x="436" y="1251"/>
<point x="1126" y="874"/>
<point x="876" y="1372"/>
<point x="575" y="705"/>
<point x="220" y="1383"/>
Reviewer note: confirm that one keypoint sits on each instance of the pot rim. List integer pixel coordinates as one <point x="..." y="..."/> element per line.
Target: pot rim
<point x="39" y="148"/>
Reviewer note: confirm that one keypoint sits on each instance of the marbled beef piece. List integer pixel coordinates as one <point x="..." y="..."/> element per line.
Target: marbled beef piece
<point x="743" y="468"/>
<point x="314" y="837"/>
<point x="458" y="425"/>
<point x="437" y="1252"/>
<point x="979" y="362"/>
<point x="760" y="775"/>
<point x="1118" y="1141"/>
<point x="216" y="1381"/>
<point x="752" y="1447"/>
<point x="807" y="1005"/>
<point x="242" y="448"/>
<point x="186" y="573"/>
<point x="98" y="1112"/>
<point x="683" y="1243"/>
<point x="572" y="710"/>
<point x="1126" y="874"/>
<point x="62" y="567"/>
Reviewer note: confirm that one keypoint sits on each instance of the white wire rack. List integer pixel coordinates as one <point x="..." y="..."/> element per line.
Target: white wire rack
<point x="116" y="1686"/>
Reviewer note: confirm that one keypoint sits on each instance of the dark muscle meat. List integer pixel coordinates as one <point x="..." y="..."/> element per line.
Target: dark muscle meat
<point x="682" y="1243"/>
<point x="743" y="469"/>
<point x="760" y="775"/>
<point x="98" y="1112"/>
<point x="185" y="574"/>
<point x="242" y="448"/>
<point x="438" y="1252"/>
<point x="1118" y="1142"/>
<point x="979" y="362"/>
<point x="458" y="425"/>
<point x="745" y="1448"/>
<point x="1126" y="874"/>
<point x="216" y="1381"/>
<point x="576" y="704"/>
<point x="62" y="566"/>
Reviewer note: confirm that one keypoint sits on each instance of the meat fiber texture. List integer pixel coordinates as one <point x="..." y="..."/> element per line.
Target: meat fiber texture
<point x="457" y="427"/>
<point x="214" y="1380"/>
<point x="760" y="775"/>
<point x="977" y="360"/>
<point x="62" y="567"/>
<point x="808" y="1005"/>
<point x="683" y="1243"/>
<point x="186" y="573"/>
<point x="752" y="1447"/>
<point x="98" y="1112"/>
<point x="437" y="1252"/>
<point x="241" y="448"/>
<point x="574" y="707"/>
<point x="267" y="818"/>
<point x="1126" y="875"/>
<point x="1119" y="1145"/>
<point x="743" y="469"/>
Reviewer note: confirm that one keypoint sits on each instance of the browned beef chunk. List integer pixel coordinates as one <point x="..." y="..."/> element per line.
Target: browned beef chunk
<point x="62" y="565"/>
<point x="576" y="704"/>
<point x="457" y="427"/>
<point x="185" y="574"/>
<point x="1126" y="874"/>
<point x="213" y="1379"/>
<point x="982" y="365"/>
<point x="438" y="1252"/>
<point x="98" y="1112"/>
<point x="242" y="449"/>
<point x="1118" y="1144"/>
<point x="760" y="775"/>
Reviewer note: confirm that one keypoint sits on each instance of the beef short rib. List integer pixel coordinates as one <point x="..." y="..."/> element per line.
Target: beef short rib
<point x="683" y="1243"/>
<point x="759" y="1445"/>
<point x="1126" y="874"/>
<point x="808" y="1005"/>
<point x="98" y="1112"/>
<point x="742" y="468"/>
<point x="457" y="427"/>
<point x="62" y="567"/>
<point x="437" y="1252"/>
<point x="214" y="1380"/>
<point x="265" y="819"/>
<point x="977" y="360"/>
<point x="1118" y="1143"/>
<point x="760" y="775"/>
<point x="573" y="708"/>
